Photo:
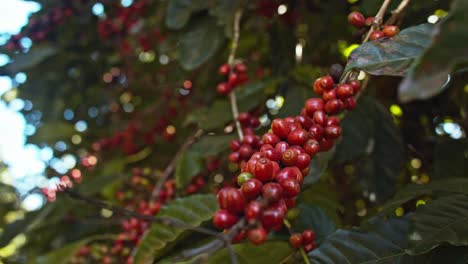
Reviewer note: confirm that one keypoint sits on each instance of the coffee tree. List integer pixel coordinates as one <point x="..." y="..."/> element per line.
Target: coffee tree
<point x="245" y="132"/>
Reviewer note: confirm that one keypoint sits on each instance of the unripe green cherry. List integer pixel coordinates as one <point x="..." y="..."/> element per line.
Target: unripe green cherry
<point x="243" y="177"/>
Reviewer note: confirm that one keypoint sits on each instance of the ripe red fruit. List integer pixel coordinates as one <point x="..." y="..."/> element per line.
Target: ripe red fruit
<point x="223" y="88"/>
<point x="234" y="145"/>
<point x="329" y="95"/>
<point x="263" y="170"/>
<point x="391" y="31"/>
<point x="233" y="79"/>
<point x="257" y="235"/>
<point x="250" y="140"/>
<point x="320" y="118"/>
<point x="316" y="131"/>
<point x="290" y="203"/>
<point x="245" y="151"/>
<point x="376" y="35"/>
<point x="282" y="146"/>
<point x="296" y="240"/>
<point x="272" y="218"/>
<point x="356" y="19"/>
<point x="317" y="87"/>
<point x="251" y="188"/>
<point x="350" y="103"/>
<point x="280" y="127"/>
<point x="272" y="192"/>
<point x="312" y="147"/>
<point x="244" y="118"/>
<point x="289" y="173"/>
<point x="308" y="236"/>
<point x="356" y="85"/>
<point x="298" y="137"/>
<point x="237" y="238"/>
<point x="240" y="68"/>
<point x="369" y="21"/>
<point x="333" y="106"/>
<point x="272" y="154"/>
<point x="305" y="121"/>
<point x="326" y="144"/>
<point x="253" y="211"/>
<point x="289" y="157"/>
<point x="312" y="105"/>
<point x="223" y="219"/>
<point x="224" y="69"/>
<point x="234" y="157"/>
<point x="270" y="138"/>
<point x="303" y="161"/>
<point x="344" y="91"/>
<point x="332" y="132"/>
<point x="327" y="82"/>
<point x="310" y="247"/>
<point x="231" y="199"/>
<point x="291" y="188"/>
<point x="333" y="120"/>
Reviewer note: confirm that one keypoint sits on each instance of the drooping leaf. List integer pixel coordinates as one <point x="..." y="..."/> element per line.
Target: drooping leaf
<point x="65" y="253"/>
<point x="444" y="220"/>
<point x="267" y="253"/>
<point x="412" y="191"/>
<point x="392" y="56"/>
<point x="199" y="43"/>
<point x="179" y="12"/>
<point x="188" y="166"/>
<point x="369" y="134"/>
<point x="315" y="218"/>
<point x="381" y="242"/>
<point x="191" y="211"/>
<point x="23" y="62"/>
<point x="428" y="74"/>
<point x="323" y="195"/>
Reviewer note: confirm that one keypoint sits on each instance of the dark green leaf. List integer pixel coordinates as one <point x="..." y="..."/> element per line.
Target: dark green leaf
<point x="370" y="134"/>
<point x="323" y="195"/>
<point x="224" y="11"/>
<point x="392" y="56"/>
<point x="209" y="118"/>
<point x="267" y="253"/>
<point x="441" y="220"/>
<point x="52" y="132"/>
<point x="211" y="145"/>
<point x="315" y="218"/>
<point x="188" y="166"/>
<point x="412" y="191"/>
<point x="199" y="43"/>
<point x="23" y="62"/>
<point x="450" y="159"/>
<point x="428" y="74"/>
<point x="192" y="211"/>
<point x="179" y="12"/>
<point x="318" y="167"/>
<point x="381" y="242"/>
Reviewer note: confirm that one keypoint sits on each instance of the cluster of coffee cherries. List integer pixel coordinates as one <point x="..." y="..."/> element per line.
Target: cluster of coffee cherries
<point x="251" y="143"/>
<point x="306" y="240"/>
<point x="359" y="21"/>
<point x="235" y="77"/>
<point x="271" y="179"/>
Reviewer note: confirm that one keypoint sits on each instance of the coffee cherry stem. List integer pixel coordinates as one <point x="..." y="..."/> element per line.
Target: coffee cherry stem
<point x="378" y="19"/>
<point x="304" y="256"/>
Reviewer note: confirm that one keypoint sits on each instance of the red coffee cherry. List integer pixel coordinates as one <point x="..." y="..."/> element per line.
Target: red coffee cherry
<point x="272" y="218"/>
<point x="333" y="106"/>
<point x="272" y="154"/>
<point x="289" y="173"/>
<point x="350" y="103"/>
<point x="289" y="157"/>
<point x="223" y="88"/>
<point x="332" y="132"/>
<point x="233" y="79"/>
<point x="309" y="247"/>
<point x="290" y="203"/>
<point x="282" y="146"/>
<point x="224" y="69"/>
<point x="240" y="68"/>
<point x="308" y="236"/>
<point x="231" y="199"/>
<point x="376" y="35"/>
<point x="280" y="127"/>
<point x="236" y="239"/>
<point x="296" y="240"/>
<point x="298" y="137"/>
<point x="270" y="138"/>
<point x="303" y="161"/>
<point x="250" y="140"/>
<point x="312" y="147"/>
<point x="326" y="144"/>
<point x="320" y="118"/>
<point x="253" y="211"/>
<point x="291" y="188"/>
<point x="305" y="121"/>
<point x="317" y="87"/>
<point x="333" y="120"/>
<point x="329" y="95"/>
<point x="316" y="131"/>
<point x="244" y="118"/>
<point x="326" y="82"/>
<point x="312" y="105"/>
<point x="272" y="192"/>
<point x="234" y="145"/>
<point x="356" y="19"/>
<point x="356" y="85"/>
<point x="234" y="157"/>
<point x="390" y="31"/>
<point x="252" y="188"/>
<point x="263" y="170"/>
<point x="223" y="219"/>
<point x="344" y="91"/>
<point x="245" y="151"/>
<point x="369" y="21"/>
<point x="257" y="236"/>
